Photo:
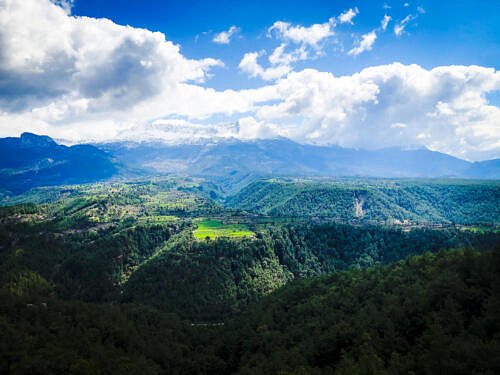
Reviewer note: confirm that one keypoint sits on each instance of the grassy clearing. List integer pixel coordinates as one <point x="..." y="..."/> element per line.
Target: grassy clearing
<point x="216" y="228"/>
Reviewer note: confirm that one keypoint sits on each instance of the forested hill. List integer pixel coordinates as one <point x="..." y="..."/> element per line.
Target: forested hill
<point x="155" y="277"/>
<point x="434" y="201"/>
<point x="150" y="243"/>
<point x="434" y="314"/>
<point x="212" y="280"/>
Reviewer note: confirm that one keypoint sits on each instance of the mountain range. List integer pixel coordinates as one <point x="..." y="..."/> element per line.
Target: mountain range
<point x="282" y="156"/>
<point x="33" y="160"/>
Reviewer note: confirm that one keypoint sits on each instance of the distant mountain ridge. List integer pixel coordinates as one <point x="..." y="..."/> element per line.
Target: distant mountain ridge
<point x="283" y="157"/>
<point x="33" y="160"/>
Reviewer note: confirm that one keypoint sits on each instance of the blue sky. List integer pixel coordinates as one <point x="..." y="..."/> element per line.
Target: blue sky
<point x="449" y="33"/>
<point x="364" y="74"/>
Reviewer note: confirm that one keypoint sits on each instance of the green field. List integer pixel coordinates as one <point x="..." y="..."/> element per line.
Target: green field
<point x="216" y="228"/>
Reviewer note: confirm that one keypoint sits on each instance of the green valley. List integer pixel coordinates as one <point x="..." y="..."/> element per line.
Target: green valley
<point x="201" y="267"/>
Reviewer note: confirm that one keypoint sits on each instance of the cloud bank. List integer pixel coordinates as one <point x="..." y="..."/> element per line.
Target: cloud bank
<point x="80" y="78"/>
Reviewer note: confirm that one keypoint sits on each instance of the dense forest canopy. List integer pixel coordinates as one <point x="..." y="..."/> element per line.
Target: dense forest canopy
<point x="431" y="201"/>
<point x="157" y="276"/>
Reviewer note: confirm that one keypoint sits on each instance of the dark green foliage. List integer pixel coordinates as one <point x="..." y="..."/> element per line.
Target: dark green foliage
<point x="207" y="280"/>
<point x="426" y="315"/>
<point x="97" y="271"/>
<point x="461" y="202"/>
<point x="72" y="264"/>
<point x="210" y="280"/>
<point x="79" y="338"/>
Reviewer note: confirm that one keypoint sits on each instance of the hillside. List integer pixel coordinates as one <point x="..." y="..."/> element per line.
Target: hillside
<point x="283" y="157"/>
<point x="139" y="242"/>
<point x="32" y="160"/>
<point x="435" y="201"/>
<point x="429" y="314"/>
<point x="213" y="280"/>
<point x="112" y="277"/>
<point x="426" y="315"/>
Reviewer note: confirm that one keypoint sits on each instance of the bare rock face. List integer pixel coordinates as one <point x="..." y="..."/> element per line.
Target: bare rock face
<point x="358" y="207"/>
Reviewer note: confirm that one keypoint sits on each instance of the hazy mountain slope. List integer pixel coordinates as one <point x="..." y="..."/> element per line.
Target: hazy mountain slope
<point x="283" y="157"/>
<point x="484" y="169"/>
<point x="33" y="160"/>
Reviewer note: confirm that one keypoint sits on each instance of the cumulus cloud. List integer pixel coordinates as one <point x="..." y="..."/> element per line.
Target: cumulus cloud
<point x="297" y="43"/>
<point x="444" y="108"/>
<point x="66" y="5"/>
<point x="365" y="44"/>
<point x="224" y="37"/>
<point x="47" y="54"/>
<point x="280" y="62"/>
<point x="348" y="15"/>
<point x="368" y="40"/>
<point x="280" y="57"/>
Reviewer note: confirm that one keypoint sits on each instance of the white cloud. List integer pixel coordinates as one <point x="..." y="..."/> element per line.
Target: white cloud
<point x="444" y="109"/>
<point x="297" y="43"/>
<point x="280" y="62"/>
<point x="399" y="28"/>
<point x="224" y="37"/>
<point x="48" y="54"/>
<point x="311" y="35"/>
<point x="385" y="22"/>
<point x="66" y="5"/>
<point x="368" y="40"/>
<point x="348" y="15"/>
<point x="365" y="44"/>
<point x="280" y="57"/>
<point x="250" y="65"/>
